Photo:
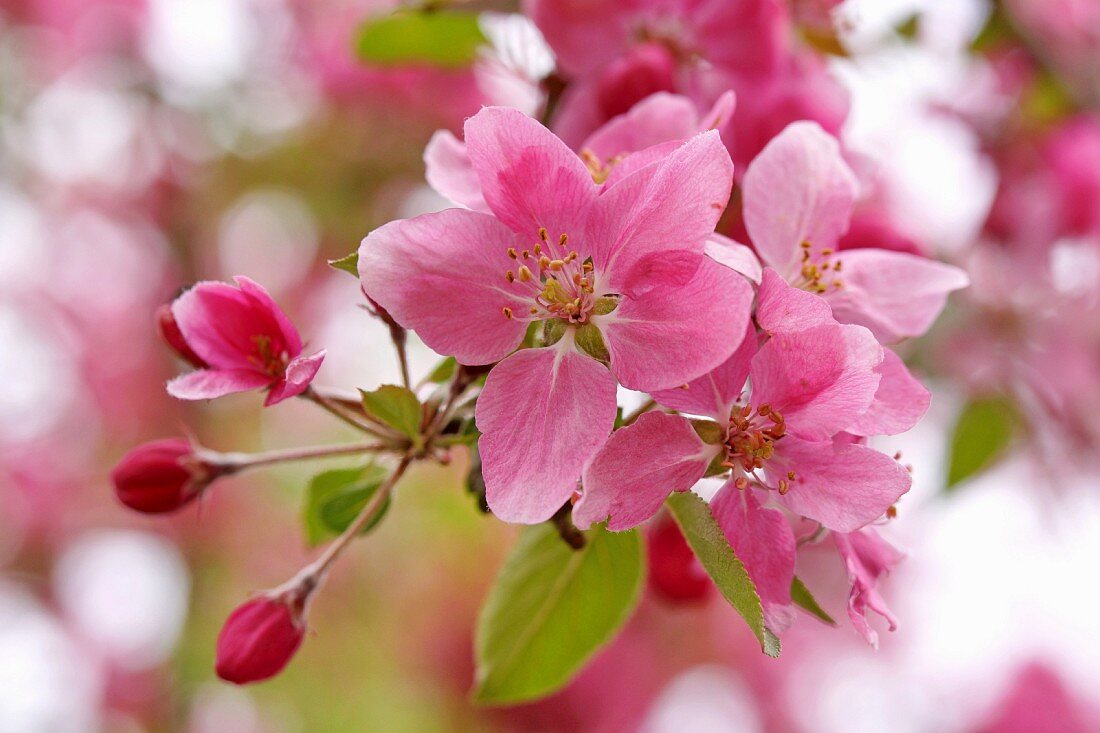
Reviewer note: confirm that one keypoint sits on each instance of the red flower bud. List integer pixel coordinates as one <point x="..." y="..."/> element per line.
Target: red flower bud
<point x="161" y="476"/>
<point x="674" y="572"/>
<point x="170" y="332"/>
<point x="260" y="637"/>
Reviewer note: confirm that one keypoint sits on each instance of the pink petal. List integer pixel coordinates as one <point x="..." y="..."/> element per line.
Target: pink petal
<point x="267" y="304"/>
<point x="867" y="557"/>
<point x="798" y="189"/>
<point x="896" y="295"/>
<point x="762" y="539"/>
<point x="638" y="467"/>
<point x="715" y="393"/>
<point x="299" y="373"/>
<point x="841" y="485"/>
<point x="450" y="172"/>
<point x="658" y="118"/>
<point x="781" y="308"/>
<point x="206" y="384"/>
<point x="529" y="178"/>
<point x="900" y="402"/>
<point x="821" y="380"/>
<point x="442" y="275"/>
<point x="666" y="207"/>
<point x="672" y="333"/>
<point x="734" y="255"/>
<point x="585" y="34"/>
<point x="543" y="414"/>
<point x="631" y="164"/>
<point x="220" y="323"/>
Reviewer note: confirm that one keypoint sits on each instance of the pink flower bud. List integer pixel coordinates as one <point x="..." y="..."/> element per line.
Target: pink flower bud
<point x="260" y="637"/>
<point x="170" y="332"/>
<point x="674" y="572"/>
<point x="161" y="476"/>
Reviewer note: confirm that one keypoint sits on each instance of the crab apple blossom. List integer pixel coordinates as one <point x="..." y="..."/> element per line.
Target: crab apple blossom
<point x="867" y="557"/>
<point x="244" y="338"/>
<point x="615" y="274"/>
<point x="675" y="574"/>
<point x="260" y="638"/>
<point x="161" y="476"/>
<point x="798" y="196"/>
<point x="787" y="437"/>
<point x="616" y="54"/>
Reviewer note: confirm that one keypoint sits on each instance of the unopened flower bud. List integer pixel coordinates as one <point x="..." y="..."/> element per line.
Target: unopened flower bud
<point x="260" y="637"/>
<point x="674" y="572"/>
<point x="161" y="476"/>
<point x="170" y="332"/>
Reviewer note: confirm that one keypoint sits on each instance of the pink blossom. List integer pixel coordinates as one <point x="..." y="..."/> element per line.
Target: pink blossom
<point x="161" y="476"/>
<point x="867" y="557"/>
<point x="259" y="639"/>
<point x="649" y="131"/>
<point x="787" y="437"/>
<point x="615" y="273"/>
<point x="617" y="53"/>
<point x="798" y="197"/>
<point x="245" y="339"/>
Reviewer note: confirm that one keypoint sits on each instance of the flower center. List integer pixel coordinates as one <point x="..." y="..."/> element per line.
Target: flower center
<point x="819" y="273"/>
<point x="750" y="441"/>
<point x="266" y="358"/>
<point x="558" y="283"/>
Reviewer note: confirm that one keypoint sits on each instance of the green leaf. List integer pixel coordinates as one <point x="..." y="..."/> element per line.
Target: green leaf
<point x="714" y="552"/>
<point x="335" y="498"/>
<point x="805" y="600"/>
<point x="395" y="406"/>
<point x="982" y="433"/>
<point x="447" y="39"/>
<point x="443" y="371"/>
<point x="551" y="609"/>
<point x="347" y="263"/>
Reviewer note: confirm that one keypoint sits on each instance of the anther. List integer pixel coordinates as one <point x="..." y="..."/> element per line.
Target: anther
<point x="784" y="487"/>
<point x="507" y="312"/>
<point x="741" y="483"/>
<point x="891" y="511"/>
<point x="764" y="409"/>
<point x="791" y="475"/>
<point x="510" y="276"/>
<point x="512" y="253"/>
<point x="542" y="233"/>
<point x="524" y="273"/>
<point x="563" y="239"/>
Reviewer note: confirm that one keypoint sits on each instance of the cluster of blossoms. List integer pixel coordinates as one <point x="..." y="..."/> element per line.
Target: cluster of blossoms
<point x="566" y="273"/>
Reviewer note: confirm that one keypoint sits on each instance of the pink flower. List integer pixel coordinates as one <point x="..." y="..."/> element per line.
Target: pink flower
<point x="786" y="438"/>
<point x="161" y="476"/>
<point x="674" y="572"/>
<point x="616" y="274"/>
<point x="617" y="53"/>
<point x="867" y="557"/>
<point x="259" y="638"/>
<point x="798" y="196"/>
<point x="649" y="131"/>
<point x="245" y="339"/>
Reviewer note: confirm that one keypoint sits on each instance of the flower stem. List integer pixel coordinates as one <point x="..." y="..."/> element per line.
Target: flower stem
<point x="333" y="407"/>
<point x="316" y="570"/>
<point x="240" y="461"/>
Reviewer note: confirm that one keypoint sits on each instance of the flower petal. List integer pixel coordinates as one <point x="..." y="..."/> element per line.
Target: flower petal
<point x="656" y="119"/>
<point x="738" y="257"/>
<point x="638" y="467"/>
<point x="762" y="539"/>
<point x="867" y="557"/>
<point x="896" y="295"/>
<point x="543" y="414"/>
<point x="299" y="373"/>
<point x="449" y="171"/>
<point x="220" y="323"/>
<point x="206" y="384"/>
<point x="821" y="380"/>
<point x="900" y="402"/>
<point x="442" y="275"/>
<point x="781" y="308"/>
<point x="672" y="333"/>
<point x="715" y="393"/>
<point x="842" y="485"/>
<point x="798" y="189"/>
<point x="266" y="304"/>
<point x="661" y="208"/>
<point x="529" y="178"/>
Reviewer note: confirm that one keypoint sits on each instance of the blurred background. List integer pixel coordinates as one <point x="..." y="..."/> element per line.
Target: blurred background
<point x="145" y="144"/>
